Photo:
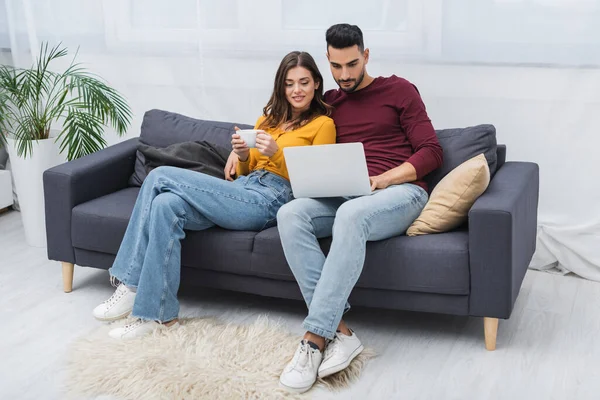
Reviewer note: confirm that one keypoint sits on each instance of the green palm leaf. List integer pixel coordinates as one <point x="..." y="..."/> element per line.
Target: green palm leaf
<point x="31" y="100"/>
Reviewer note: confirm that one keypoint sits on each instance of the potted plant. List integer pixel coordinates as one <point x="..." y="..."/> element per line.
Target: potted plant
<point x="33" y="101"/>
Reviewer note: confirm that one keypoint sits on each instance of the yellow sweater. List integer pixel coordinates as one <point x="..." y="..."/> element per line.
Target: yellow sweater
<point x="320" y="130"/>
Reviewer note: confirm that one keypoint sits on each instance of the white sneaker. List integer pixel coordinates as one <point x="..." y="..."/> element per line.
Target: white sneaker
<point x="301" y="373"/>
<point x="118" y="306"/>
<point x="339" y="353"/>
<point x="136" y="329"/>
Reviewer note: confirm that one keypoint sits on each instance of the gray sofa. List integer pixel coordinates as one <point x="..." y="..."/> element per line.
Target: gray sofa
<point x="476" y="270"/>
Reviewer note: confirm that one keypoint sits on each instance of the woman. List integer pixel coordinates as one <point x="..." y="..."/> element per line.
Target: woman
<point x="148" y="264"/>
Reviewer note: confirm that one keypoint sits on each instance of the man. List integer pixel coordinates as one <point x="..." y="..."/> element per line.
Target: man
<point x="388" y="116"/>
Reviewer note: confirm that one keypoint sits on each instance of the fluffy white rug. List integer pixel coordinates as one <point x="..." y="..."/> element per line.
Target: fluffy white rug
<point x="202" y="359"/>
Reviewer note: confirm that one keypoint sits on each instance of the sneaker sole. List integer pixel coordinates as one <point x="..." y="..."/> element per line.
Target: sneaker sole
<point x="109" y="319"/>
<point x="293" y="389"/>
<point x="337" y="368"/>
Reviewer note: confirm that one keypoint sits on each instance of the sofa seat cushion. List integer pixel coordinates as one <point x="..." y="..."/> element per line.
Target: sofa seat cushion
<point x="430" y="263"/>
<point x="100" y="225"/>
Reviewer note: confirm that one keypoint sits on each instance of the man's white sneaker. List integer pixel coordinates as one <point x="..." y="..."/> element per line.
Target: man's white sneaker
<point x="339" y="353"/>
<point x="118" y="306"/>
<point x="136" y="329"/>
<point x="301" y="373"/>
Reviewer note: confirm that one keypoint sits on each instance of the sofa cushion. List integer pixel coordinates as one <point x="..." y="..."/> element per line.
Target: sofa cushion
<point x="204" y="157"/>
<point x="100" y="225"/>
<point x="218" y="249"/>
<point x="462" y="144"/>
<point x="429" y="263"/>
<point x="163" y="128"/>
<point x="452" y="198"/>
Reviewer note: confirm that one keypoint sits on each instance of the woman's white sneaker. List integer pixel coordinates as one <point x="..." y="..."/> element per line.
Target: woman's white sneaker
<point x="301" y="373"/>
<point x="339" y="353"/>
<point x="138" y="328"/>
<point x="118" y="306"/>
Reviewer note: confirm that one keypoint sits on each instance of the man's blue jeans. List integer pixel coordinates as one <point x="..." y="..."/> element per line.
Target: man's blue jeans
<point x="173" y="199"/>
<point x="326" y="282"/>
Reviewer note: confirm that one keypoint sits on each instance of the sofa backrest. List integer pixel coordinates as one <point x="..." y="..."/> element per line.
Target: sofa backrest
<point x="462" y="144"/>
<point x="501" y="156"/>
<point x="163" y="128"/>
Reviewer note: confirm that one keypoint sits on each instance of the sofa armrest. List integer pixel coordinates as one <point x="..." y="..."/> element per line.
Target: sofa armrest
<point x="502" y="238"/>
<point x="78" y="181"/>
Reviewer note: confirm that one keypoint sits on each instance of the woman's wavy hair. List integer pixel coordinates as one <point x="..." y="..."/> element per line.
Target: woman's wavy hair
<point x="278" y="110"/>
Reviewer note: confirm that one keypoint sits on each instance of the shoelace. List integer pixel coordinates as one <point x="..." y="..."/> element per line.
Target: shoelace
<point x="332" y="347"/>
<point x="116" y="296"/>
<point x="134" y="324"/>
<point x="303" y="353"/>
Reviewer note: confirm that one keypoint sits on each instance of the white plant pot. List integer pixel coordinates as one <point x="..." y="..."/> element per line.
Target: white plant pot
<point x="28" y="173"/>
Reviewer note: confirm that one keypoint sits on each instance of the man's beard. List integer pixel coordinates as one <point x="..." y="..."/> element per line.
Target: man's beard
<point x="352" y="88"/>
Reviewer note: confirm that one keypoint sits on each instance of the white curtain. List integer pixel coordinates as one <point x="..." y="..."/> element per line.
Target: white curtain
<point x="530" y="67"/>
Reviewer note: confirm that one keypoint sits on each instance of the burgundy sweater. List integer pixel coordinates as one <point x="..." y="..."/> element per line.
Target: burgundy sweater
<point x="390" y="119"/>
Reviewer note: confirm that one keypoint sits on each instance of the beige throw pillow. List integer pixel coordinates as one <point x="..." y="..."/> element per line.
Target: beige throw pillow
<point x="453" y="197"/>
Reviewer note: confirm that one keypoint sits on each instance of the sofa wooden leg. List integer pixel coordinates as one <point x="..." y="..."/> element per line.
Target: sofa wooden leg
<point x="490" y="327"/>
<point x="67" y="272"/>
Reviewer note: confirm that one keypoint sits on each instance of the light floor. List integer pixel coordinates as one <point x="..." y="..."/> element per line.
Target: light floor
<point x="548" y="349"/>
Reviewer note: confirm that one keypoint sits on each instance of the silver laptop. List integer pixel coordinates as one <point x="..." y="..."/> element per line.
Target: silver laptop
<point x="330" y="170"/>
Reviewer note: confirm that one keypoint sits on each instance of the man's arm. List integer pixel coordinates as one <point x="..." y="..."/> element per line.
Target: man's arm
<point x="402" y="174"/>
<point x="428" y="154"/>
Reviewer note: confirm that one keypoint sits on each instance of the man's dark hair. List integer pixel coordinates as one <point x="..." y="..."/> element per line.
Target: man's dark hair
<point x="341" y="36"/>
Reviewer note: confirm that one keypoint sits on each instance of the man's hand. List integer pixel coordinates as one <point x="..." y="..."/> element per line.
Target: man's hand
<point x="403" y="173"/>
<point x="231" y="166"/>
<point x="265" y="144"/>
<point x="378" y="182"/>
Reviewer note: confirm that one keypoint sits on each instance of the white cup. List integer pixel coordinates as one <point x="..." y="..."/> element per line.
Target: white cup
<point x="249" y="136"/>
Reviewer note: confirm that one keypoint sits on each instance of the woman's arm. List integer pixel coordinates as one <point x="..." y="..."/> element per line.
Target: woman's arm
<point x="244" y="167"/>
<point x="325" y="134"/>
<point x="231" y="166"/>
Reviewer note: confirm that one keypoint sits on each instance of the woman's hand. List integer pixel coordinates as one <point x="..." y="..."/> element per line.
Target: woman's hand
<point x="265" y="144"/>
<point x="231" y="166"/>
<point x="239" y="146"/>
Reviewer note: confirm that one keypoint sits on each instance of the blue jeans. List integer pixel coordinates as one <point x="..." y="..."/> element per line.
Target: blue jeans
<point x="173" y="199"/>
<point x="326" y="282"/>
